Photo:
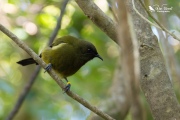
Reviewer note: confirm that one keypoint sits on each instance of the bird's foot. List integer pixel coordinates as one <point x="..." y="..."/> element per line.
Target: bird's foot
<point x="67" y="88"/>
<point x="48" y="67"/>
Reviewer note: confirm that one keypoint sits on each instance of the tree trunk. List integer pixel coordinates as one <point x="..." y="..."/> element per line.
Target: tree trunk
<point x="155" y="82"/>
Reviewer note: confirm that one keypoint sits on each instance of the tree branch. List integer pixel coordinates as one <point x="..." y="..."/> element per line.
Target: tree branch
<point x="96" y="15"/>
<point x="130" y="57"/>
<point x="53" y="74"/>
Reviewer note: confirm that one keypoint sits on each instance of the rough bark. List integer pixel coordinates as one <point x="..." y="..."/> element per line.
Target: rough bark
<point x="155" y="81"/>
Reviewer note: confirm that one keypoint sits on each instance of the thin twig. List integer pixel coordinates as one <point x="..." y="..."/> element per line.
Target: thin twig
<point x="58" y="25"/>
<point x="163" y="28"/>
<point x="111" y="9"/>
<point x="53" y="74"/>
<point x="158" y="26"/>
<point x="143" y="16"/>
<point x="29" y="84"/>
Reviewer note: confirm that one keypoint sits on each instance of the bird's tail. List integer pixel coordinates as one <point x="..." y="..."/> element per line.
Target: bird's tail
<point x="27" y="61"/>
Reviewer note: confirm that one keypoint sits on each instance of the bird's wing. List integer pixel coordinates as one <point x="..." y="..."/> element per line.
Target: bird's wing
<point x="68" y="40"/>
<point x="57" y="42"/>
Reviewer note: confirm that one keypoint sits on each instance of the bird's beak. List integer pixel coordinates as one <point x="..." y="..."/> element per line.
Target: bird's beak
<point x="99" y="57"/>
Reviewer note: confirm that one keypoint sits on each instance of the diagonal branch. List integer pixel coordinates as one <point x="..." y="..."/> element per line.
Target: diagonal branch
<point x="53" y="74"/>
<point x="58" y="25"/>
<point x="98" y="17"/>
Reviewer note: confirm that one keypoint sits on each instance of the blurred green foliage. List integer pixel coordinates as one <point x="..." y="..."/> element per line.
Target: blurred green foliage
<point x="33" y="22"/>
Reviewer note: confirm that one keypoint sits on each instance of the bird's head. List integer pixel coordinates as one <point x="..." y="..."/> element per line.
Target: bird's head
<point x="87" y="51"/>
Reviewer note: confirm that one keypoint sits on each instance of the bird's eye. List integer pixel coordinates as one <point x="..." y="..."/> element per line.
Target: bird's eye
<point x="89" y="50"/>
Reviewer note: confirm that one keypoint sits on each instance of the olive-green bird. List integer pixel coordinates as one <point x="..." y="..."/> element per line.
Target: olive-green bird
<point x="66" y="56"/>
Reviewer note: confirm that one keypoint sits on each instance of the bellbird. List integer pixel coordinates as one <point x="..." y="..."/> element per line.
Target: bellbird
<point x="66" y="56"/>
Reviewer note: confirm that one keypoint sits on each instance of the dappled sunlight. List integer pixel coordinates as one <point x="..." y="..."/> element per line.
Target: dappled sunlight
<point x="30" y="28"/>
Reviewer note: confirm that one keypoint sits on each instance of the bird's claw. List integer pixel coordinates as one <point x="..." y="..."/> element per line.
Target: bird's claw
<point x="48" y="67"/>
<point x="67" y="88"/>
